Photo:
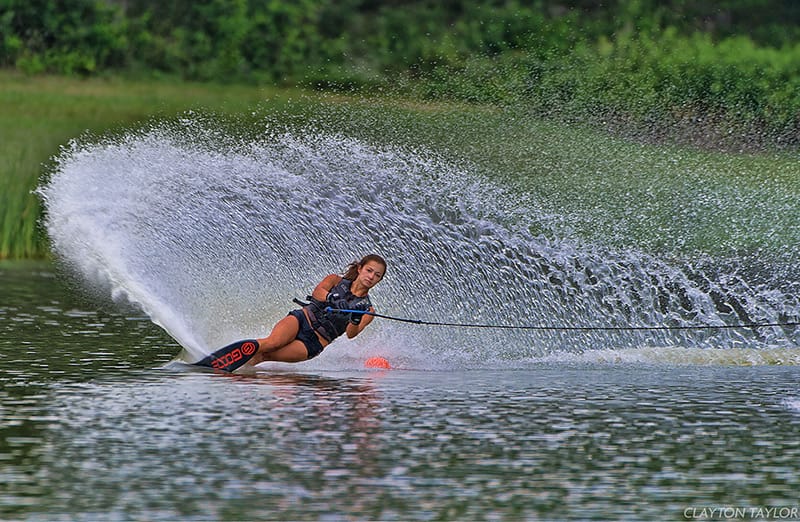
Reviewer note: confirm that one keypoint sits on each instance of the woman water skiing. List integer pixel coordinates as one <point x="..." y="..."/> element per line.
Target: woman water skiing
<point x="304" y="333"/>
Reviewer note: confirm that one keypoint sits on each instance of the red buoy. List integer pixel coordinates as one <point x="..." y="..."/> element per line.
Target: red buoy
<point x="377" y="362"/>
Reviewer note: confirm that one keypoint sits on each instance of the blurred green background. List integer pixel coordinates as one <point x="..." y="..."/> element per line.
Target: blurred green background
<point x="722" y="76"/>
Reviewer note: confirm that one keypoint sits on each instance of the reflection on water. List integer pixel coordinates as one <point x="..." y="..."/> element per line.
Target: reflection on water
<point x="96" y="430"/>
<point x="556" y="442"/>
<point x="216" y="441"/>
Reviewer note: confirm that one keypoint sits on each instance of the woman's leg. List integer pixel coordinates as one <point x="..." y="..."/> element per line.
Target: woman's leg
<point x="295" y="351"/>
<point x="283" y="333"/>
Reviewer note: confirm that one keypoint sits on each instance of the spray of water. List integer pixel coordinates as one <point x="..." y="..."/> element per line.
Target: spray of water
<point x="212" y="237"/>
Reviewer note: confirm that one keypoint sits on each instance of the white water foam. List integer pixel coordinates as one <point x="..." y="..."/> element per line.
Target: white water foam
<point x="793" y="404"/>
<point x="212" y="237"/>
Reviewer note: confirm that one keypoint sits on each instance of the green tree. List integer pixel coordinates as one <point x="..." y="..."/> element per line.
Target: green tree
<point x="65" y="36"/>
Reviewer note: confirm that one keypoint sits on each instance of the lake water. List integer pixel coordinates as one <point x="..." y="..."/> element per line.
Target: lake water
<point x="178" y="238"/>
<point x="95" y="427"/>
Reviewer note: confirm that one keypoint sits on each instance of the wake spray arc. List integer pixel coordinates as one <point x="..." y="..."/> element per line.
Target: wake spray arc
<point x="213" y="236"/>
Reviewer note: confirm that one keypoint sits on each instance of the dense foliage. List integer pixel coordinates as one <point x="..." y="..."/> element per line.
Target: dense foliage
<point x="736" y="62"/>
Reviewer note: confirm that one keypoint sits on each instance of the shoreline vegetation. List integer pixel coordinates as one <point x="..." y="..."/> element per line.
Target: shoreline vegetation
<point x="722" y="76"/>
<point x="726" y="70"/>
<point x="43" y="114"/>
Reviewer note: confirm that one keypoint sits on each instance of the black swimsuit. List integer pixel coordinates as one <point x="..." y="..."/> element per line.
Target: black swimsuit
<point x="329" y="325"/>
<point x="307" y="335"/>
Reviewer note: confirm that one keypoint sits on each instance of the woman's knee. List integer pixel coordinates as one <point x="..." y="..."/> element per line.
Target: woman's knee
<point x="271" y="342"/>
<point x="293" y="352"/>
<point x="283" y="333"/>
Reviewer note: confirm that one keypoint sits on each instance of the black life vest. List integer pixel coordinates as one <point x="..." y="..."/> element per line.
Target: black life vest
<point x="331" y="325"/>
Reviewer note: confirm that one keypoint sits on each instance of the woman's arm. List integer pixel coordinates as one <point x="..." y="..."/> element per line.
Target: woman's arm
<point x="325" y="286"/>
<point x="321" y="292"/>
<point x="355" y="329"/>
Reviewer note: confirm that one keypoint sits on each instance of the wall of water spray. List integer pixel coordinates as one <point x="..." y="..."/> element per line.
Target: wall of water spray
<point x="212" y="235"/>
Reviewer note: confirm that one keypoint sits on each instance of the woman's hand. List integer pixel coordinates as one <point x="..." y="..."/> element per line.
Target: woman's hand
<point x="355" y="318"/>
<point x="354" y="329"/>
<point x="336" y="301"/>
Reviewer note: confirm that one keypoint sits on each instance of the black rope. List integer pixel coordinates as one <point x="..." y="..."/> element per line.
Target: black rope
<point x="565" y="328"/>
<point x="583" y="328"/>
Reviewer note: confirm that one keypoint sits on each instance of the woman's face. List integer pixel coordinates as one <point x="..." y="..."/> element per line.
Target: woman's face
<point x="371" y="273"/>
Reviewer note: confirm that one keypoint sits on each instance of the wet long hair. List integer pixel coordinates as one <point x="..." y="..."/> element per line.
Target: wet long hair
<point x="352" y="269"/>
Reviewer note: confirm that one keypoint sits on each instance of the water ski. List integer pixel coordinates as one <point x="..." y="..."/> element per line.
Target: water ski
<point x="230" y="357"/>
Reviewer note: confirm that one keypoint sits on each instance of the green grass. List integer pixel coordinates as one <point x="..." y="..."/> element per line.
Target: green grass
<point x="38" y="115"/>
<point x="656" y="197"/>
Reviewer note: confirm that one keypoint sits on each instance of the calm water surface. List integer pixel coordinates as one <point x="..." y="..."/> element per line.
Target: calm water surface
<point x="93" y="427"/>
